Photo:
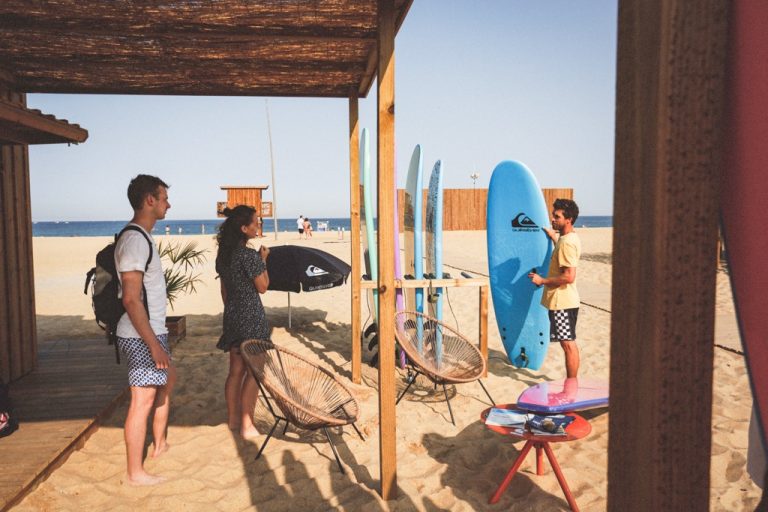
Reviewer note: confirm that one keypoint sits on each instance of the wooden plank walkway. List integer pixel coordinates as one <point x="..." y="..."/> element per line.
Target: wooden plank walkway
<point x="59" y="405"/>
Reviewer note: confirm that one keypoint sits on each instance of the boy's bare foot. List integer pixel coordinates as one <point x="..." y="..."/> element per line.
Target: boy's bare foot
<point x="159" y="450"/>
<point x="249" y="433"/>
<point x="144" y="479"/>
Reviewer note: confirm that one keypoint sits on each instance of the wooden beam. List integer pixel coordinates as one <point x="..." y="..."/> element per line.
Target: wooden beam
<point x="669" y="115"/>
<point x="386" y="247"/>
<point x="19" y="125"/>
<point x="354" y="227"/>
<point x="474" y="282"/>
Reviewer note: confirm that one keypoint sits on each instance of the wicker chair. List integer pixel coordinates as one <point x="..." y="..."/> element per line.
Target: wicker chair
<point x="306" y="395"/>
<point x="438" y="352"/>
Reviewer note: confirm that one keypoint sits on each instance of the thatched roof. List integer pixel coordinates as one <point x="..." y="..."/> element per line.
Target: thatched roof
<point x="202" y="47"/>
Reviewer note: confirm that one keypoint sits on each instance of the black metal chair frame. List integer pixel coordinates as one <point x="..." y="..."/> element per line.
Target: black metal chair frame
<point x="279" y="418"/>
<point x="413" y="374"/>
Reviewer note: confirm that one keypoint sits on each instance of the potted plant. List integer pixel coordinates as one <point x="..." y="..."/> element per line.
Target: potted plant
<point x="179" y="262"/>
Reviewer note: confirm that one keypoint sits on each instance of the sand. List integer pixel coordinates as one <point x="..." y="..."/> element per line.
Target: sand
<point x="440" y="466"/>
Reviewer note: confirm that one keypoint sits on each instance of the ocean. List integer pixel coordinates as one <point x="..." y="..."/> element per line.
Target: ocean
<point x="209" y="226"/>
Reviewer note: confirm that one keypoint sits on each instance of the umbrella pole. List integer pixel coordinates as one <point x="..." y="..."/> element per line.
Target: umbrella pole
<point x="289" y="310"/>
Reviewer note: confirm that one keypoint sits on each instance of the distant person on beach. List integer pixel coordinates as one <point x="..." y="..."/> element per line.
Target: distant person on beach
<point x="243" y="275"/>
<point x="180" y="230"/>
<point x="307" y="228"/>
<point x="560" y="295"/>
<point x="300" y="225"/>
<point x="141" y="333"/>
<point x="167" y="230"/>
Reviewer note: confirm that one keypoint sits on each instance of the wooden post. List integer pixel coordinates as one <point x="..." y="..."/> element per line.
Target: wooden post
<point x="483" y="334"/>
<point x="386" y="249"/>
<point x="354" y="226"/>
<point x="669" y="117"/>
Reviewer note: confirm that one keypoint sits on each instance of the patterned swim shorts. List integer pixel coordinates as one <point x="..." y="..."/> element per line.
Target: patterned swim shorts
<point x="141" y="367"/>
<point x="562" y="324"/>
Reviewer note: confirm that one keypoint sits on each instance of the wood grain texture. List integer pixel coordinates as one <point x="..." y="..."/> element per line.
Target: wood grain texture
<point x="59" y="404"/>
<point x="354" y="226"/>
<point x="464" y="209"/>
<point x="669" y="110"/>
<point x="386" y="247"/>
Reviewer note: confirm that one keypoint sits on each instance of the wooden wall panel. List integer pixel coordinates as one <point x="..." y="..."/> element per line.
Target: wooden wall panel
<point x="670" y="74"/>
<point x="18" y="329"/>
<point x="465" y="209"/>
<point x="5" y="325"/>
<point x="247" y="196"/>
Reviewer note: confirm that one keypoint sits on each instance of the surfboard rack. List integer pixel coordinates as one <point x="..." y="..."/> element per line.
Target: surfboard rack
<point x="481" y="283"/>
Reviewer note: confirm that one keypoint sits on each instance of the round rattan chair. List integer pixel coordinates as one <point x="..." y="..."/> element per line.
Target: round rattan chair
<point x="308" y="396"/>
<point x="438" y="352"/>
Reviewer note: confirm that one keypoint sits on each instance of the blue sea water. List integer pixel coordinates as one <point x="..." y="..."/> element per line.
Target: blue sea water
<point x="209" y="226"/>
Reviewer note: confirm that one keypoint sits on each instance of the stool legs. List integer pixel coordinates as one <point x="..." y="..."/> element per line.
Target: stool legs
<point x="507" y="479"/>
<point x="539" y="471"/>
<point x="539" y="459"/>
<point x="560" y="478"/>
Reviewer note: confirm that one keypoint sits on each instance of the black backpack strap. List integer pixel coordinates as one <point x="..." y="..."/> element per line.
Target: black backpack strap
<point x="131" y="227"/>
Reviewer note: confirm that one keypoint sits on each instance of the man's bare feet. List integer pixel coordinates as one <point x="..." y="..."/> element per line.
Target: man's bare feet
<point x="144" y="479"/>
<point x="250" y="432"/>
<point x="159" y="450"/>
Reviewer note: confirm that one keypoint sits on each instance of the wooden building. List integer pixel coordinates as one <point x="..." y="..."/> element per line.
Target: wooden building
<point x="672" y="90"/>
<point x="249" y="196"/>
<point x="20" y="127"/>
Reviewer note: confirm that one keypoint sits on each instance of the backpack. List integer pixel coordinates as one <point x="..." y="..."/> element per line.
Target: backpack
<point x="105" y="288"/>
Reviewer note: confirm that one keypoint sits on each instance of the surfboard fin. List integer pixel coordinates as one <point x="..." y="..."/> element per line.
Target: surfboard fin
<point x="524" y="358"/>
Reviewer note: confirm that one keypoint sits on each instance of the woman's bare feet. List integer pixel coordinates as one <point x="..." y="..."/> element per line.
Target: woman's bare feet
<point x="250" y="432"/>
<point x="144" y="479"/>
<point x="159" y="450"/>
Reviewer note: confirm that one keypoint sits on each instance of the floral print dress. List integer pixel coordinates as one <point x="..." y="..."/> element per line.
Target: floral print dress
<point x="244" y="316"/>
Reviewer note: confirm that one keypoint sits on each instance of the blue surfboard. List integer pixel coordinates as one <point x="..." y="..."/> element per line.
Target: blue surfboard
<point x="434" y="243"/>
<point x="516" y="245"/>
<point x="413" y="230"/>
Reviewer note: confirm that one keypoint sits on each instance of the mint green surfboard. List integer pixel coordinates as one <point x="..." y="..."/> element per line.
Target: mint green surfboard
<point x="367" y="213"/>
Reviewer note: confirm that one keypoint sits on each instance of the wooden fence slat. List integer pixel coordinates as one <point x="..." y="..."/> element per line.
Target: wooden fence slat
<point x="464" y="209"/>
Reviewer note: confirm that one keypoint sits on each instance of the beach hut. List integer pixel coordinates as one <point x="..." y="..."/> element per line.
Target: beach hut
<point x="671" y="97"/>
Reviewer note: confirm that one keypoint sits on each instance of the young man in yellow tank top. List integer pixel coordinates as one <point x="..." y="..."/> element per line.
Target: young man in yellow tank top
<point x="560" y="295"/>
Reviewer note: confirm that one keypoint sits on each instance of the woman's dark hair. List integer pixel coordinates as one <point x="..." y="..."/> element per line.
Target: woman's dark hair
<point x="230" y="235"/>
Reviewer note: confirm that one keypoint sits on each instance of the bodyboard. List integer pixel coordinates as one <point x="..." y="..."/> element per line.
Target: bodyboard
<point x="565" y="395"/>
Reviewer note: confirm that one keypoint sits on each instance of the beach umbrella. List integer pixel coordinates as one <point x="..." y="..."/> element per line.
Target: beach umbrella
<point x="293" y="268"/>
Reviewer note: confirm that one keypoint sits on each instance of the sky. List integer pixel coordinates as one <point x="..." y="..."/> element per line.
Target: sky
<point x="476" y="83"/>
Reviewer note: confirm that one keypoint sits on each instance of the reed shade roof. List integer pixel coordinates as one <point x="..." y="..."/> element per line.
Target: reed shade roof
<point x="200" y="47"/>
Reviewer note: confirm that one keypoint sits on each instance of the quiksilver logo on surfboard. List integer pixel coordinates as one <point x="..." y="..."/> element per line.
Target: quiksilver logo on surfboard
<point x="522" y="222"/>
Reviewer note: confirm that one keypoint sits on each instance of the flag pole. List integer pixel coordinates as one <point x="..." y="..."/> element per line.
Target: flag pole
<point x="272" y="166"/>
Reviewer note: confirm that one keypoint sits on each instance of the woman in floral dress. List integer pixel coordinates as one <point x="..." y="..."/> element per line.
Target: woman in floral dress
<point x="243" y="275"/>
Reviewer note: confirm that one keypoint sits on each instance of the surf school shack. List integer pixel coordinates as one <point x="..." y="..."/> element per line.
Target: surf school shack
<point x="671" y="97"/>
<point x="249" y="196"/>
